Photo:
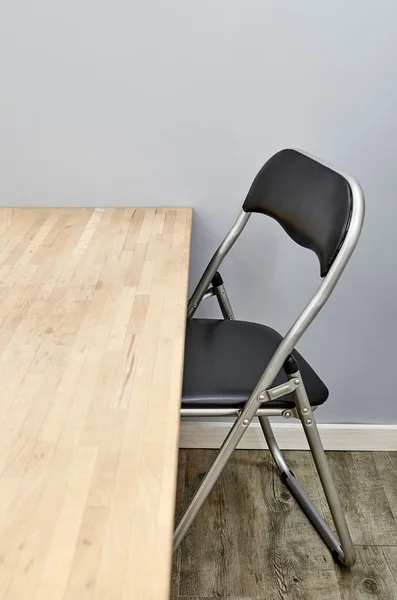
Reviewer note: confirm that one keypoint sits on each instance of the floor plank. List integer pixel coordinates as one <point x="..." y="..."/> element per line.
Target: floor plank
<point x="364" y="498"/>
<point x="386" y="464"/>
<point x="252" y="542"/>
<point x="373" y="576"/>
<point x="248" y="536"/>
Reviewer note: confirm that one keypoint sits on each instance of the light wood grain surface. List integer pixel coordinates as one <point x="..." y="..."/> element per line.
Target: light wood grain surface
<point x="92" y="324"/>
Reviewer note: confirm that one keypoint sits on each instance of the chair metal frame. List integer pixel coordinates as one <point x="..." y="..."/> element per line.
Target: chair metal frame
<point x="342" y="549"/>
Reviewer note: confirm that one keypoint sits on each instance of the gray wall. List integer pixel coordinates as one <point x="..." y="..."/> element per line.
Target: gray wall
<point x="179" y="103"/>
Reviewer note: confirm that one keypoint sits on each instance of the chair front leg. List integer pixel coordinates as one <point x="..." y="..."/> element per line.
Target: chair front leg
<point x="235" y="434"/>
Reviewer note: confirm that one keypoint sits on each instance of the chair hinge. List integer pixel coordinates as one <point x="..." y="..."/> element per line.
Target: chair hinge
<point x="280" y="390"/>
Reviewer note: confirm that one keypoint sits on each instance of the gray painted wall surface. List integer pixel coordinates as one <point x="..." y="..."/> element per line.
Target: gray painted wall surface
<point x="180" y="103"/>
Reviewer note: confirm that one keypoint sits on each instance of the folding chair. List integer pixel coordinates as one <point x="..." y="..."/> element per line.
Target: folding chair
<point x="246" y="369"/>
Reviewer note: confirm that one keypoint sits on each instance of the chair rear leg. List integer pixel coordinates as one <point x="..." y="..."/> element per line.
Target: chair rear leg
<point x="342" y="550"/>
<point x="289" y="479"/>
<point x="320" y="459"/>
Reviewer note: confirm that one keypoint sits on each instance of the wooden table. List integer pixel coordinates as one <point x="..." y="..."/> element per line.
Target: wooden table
<point x="92" y="324"/>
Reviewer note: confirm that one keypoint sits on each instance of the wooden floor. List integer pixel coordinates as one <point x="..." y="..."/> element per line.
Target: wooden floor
<point x="251" y="540"/>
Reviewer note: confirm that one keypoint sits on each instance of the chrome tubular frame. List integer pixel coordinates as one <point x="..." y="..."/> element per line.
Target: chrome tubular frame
<point x="224" y="302"/>
<point x="235" y="412"/>
<point x="216" y="260"/>
<point x="343" y="550"/>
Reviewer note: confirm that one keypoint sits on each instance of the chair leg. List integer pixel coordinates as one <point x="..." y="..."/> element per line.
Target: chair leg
<point x="232" y="439"/>
<point x="342" y="550"/>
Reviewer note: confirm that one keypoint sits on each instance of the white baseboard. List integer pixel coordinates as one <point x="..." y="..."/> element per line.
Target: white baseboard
<point x="290" y="436"/>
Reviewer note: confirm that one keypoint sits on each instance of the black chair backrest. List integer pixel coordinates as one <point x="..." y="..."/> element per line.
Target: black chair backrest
<point x="311" y="202"/>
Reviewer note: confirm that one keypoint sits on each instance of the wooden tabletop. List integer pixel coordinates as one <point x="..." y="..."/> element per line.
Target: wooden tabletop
<point x="92" y="325"/>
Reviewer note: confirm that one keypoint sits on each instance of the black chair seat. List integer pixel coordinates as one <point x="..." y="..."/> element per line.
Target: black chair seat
<point x="224" y="360"/>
